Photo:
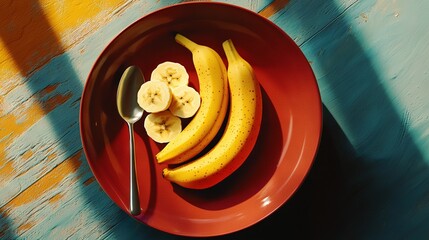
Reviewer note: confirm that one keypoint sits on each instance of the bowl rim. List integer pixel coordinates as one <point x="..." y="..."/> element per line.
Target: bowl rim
<point x="318" y="121"/>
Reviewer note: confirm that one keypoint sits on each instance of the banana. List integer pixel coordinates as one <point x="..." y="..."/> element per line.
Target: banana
<point x="154" y="96"/>
<point x="240" y="133"/>
<point x="172" y="73"/>
<point x="205" y="124"/>
<point x="162" y="126"/>
<point x="186" y="101"/>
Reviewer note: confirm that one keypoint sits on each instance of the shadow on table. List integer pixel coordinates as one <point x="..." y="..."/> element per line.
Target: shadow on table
<point x="312" y="212"/>
<point x="6" y="230"/>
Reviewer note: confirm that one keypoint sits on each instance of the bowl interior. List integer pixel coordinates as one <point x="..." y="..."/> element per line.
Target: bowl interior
<point x="284" y="152"/>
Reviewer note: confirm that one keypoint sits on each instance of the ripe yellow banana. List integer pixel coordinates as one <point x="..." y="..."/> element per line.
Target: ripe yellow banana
<point x="240" y="134"/>
<point x="204" y="126"/>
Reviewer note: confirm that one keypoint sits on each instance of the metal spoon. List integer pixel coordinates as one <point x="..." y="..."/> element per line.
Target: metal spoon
<point x="131" y="112"/>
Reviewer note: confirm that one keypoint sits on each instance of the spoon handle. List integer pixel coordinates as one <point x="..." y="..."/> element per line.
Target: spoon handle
<point x="134" y="194"/>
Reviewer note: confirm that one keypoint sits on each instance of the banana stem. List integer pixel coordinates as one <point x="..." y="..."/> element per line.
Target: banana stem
<point x="186" y="42"/>
<point x="230" y="51"/>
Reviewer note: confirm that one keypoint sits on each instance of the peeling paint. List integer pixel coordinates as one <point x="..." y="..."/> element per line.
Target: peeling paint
<point x="46" y="183"/>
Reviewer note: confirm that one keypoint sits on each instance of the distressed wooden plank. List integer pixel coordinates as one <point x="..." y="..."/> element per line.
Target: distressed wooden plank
<point x="400" y="60"/>
<point x="255" y="6"/>
<point x="372" y="33"/>
<point x="273" y="8"/>
<point x="370" y="63"/>
<point x="32" y="32"/>
<point x="301" y="20"/>
<point x="51" y="210"/>
<point x="20" y="204"/>
<point x="32" y="146"/>
<point x="30" y="36"/>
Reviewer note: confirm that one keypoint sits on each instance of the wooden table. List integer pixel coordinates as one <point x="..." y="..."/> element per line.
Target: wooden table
<point x="370" y="179"/>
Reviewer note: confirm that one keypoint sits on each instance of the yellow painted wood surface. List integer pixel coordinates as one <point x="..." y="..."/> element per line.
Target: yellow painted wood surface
<point x="34" y="31"/>
<point x="31" y="33"/>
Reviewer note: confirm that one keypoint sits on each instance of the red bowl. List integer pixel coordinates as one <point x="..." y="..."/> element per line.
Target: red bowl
<point x="284" y="152"/>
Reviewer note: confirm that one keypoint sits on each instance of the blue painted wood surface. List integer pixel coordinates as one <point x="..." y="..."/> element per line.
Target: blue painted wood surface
<point x="370" y="179"/>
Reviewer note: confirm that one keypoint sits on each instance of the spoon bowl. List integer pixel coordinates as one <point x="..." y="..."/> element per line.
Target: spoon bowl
<point x="126" y="100"/>
<point x="131" y="112"/>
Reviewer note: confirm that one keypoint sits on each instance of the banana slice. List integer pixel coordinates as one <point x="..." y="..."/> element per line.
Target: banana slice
<point x="186" y="101"/>
<point x="172" y="73"/>
<point x="154" y="96"/>
<point x="162" y="126"/>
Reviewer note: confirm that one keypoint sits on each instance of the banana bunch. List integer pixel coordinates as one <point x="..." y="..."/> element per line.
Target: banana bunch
<point x="205" y="124"/>
<point x="243" y="122"/>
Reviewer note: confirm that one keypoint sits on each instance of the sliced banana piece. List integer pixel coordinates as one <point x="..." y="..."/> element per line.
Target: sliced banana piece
<point x="172" y="73"/>
<point x="163" y="126"/>
<point x="154" y="96"/>
<point x="186" y="101"/>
